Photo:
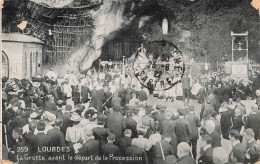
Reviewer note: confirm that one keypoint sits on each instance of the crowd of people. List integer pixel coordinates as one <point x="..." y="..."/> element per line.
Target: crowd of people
<point x="106" y="115"/>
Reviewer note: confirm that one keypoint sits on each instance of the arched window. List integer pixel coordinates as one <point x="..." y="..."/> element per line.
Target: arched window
<point x="5" y="65"/>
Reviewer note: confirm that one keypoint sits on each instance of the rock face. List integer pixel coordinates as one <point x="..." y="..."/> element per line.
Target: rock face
<point x="200" y="29"/>
<point x="108" y="20"/>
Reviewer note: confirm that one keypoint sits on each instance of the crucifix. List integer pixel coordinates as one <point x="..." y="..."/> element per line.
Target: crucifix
<point x="245" y="36"/>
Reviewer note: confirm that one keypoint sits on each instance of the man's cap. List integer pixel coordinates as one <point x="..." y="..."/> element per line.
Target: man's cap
<point x="239" y="154"/>
<point x="68" y="107"/>
<point x="158" y="107"/>
<point x="111" y="137"/>
<point x="75" y="118"/>
<point x="48" y="117"/>
<point x="181" y="111"/>
<point x="148" y="110"/>
<point x="117" y="108"/>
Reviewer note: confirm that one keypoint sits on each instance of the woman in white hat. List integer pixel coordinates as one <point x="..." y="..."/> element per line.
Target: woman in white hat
<point x="74" y="134"/>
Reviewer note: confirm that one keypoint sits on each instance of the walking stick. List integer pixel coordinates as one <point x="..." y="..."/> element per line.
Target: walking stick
<point x="6" y="142"/>
<point x="108" y="100"/>
<point x="162" y="151"/>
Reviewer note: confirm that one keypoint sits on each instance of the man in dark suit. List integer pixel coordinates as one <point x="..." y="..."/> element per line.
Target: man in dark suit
<point x="125" y="142"/>
<point x="116" y="100"/>
<point x="183" y="152"/>
<point x="168" y="126"/>
<point x="142" y="95"/>
<point x="108" y="78"/>
<point x="43" y="140"/>
<point x="253" y="152"/>
<point x="238" y="152"/>
<point x="97" y="97"/>
<point x="127" y="96"/>
<point x="57" y="137"/>
<point x="163" y="149"/>
<point x="183" y="129"/>
<point x="85" y="91"/>
<point x="108" y="96"/>
<point x="194" y="124"/>
<point x="131" y="123"/>
<point x="66" y="119"/>
<point x="49" y="105"/>
<point x="30" y="138"/>
<point x="15" y="154"/>
<point x="100" y="133"/>
<point x="216" y="140"/>
<point x="90" y="146"/>
<point x="186" y="86"/>
<point x="253" y="121"/>
<point x="122" y="92"/>
<point x="110" y="149"/>
<point x="116" y="123"/>
<point x="237" y="121"/>
<point x="206" y="151"/>
<point x="225" y="121"/>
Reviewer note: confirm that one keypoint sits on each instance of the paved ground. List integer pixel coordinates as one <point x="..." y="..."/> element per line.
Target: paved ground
<point x="179" y="104"/>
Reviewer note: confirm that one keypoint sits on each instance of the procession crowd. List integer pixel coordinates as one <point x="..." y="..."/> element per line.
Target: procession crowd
<point x="107" y="115"/>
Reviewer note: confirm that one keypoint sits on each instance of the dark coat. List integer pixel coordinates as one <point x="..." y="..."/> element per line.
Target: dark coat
<point x="43" y="140"/>
<point x="31" y="142"/>
<point x="57" y="137"/>
<point x="216" y="140"/>
<point x="253" y="152"/>
<point x="116" y="124"/>
<point x="85" y="91"/>
<point x="187" y="159"/>
<point x="167" y="150"/>
<point x="131" y="124"/>
<point x="128" y="97"/>
<point x="237" y="123"/>
<point x="101" y="135"/>
<point x="97" y="99"/>
<point x="194" y="124"/>
<point x="108" y="95"/>
<point x="66" y="122"/>
<point x="50" y="106"/>
<point x="226" y="123"/>
<point x="183" y="130"/>
<point x="253" y="121"/>
<point x="168" y="126"/>
<point x="142" y="95"/>
<point x="124" y="143"/>
<point x="239" y="152"/>
<point x="116" y="101"/>
<point x="206" y="156"/>
<point x="110" y="148"/>
<point x="90" y="147"/>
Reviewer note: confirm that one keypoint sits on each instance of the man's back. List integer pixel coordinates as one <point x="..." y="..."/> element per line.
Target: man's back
<point x="183" y="131"/>
<point x="124" y="143"/>
<point x="194" y="124"/>
<point x="253" y="122"/>
<point x="110" y="148"/>
<point x="116" y="124"/>
<point x="57" y="137"/>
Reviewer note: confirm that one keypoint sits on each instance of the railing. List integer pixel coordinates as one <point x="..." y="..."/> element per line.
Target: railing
<point x="254" y="66"/>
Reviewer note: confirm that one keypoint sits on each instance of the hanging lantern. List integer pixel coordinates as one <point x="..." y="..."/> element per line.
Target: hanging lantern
<point x="165" y="26"/>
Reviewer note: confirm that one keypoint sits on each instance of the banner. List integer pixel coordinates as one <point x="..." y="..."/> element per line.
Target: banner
<point x="239" y="69"/>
